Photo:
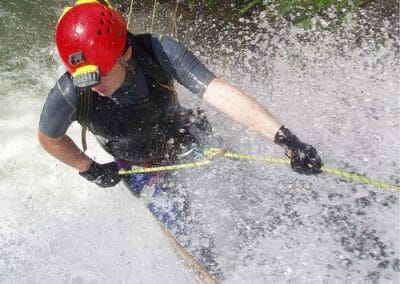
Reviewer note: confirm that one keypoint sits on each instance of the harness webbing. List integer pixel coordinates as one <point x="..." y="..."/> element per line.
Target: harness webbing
<point x="85" y="102"/>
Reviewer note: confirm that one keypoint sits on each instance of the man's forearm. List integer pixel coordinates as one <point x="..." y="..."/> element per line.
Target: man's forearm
<point x="241" y="107"/>
<point x="65" y="150"/>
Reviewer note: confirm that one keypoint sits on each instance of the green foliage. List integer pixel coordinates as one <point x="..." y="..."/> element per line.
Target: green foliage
<point x="237" y="4"/>
<point x="301" y="12"/>
<point x="211" y="3"/>
<point x="297" y="11"/>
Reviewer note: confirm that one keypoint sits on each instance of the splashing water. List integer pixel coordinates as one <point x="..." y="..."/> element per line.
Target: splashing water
<point x="337" y="90"/>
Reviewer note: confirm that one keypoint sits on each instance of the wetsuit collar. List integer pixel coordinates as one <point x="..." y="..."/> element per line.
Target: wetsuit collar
<point x="134" y="89"/>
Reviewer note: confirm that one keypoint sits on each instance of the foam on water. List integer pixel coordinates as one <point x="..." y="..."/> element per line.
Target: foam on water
<point x="267" y="223"/>
<point x="55" y="227"/>
<point x="340" y="92"/>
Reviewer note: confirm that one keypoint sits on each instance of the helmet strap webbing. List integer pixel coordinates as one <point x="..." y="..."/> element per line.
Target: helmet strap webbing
<point x="85" y="102"/>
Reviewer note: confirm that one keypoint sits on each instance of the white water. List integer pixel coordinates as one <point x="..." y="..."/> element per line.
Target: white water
<point x="57" y="228"/>
<point x="268" y="223"/>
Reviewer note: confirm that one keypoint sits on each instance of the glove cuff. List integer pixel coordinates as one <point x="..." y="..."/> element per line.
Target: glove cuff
<point x="92" y="173"/>
<point x="285" y="138"/>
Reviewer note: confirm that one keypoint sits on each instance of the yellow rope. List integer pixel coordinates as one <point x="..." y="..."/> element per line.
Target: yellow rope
<point x="361" y="179"/>
<point x="138" y="170"/>
<point x="338" y="172"/>
<point x="256" y="158"/>
<point x="214" y="152"/>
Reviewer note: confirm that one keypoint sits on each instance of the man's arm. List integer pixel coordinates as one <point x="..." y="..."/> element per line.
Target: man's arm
<point x="241" y="108"/>
<point x="247" y="111"/>
<point x="192" y="74"/>
<point x="65" y="150"/>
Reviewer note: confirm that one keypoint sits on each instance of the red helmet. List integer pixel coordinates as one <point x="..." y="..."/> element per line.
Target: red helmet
<point x="91" y="34"/>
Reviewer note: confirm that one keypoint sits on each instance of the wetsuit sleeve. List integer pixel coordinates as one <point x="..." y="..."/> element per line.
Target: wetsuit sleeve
<point x="182" y="64"/>
<point x="59" y="110"/>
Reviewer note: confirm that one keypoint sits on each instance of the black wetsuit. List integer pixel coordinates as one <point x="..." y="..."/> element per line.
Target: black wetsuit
<point x="143" y="116"/>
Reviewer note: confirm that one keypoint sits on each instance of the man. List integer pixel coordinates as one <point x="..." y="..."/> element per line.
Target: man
<point x="120" y="87"/>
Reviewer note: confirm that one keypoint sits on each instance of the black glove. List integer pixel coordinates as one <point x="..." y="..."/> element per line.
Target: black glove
<point x="303" y="157"/>
<point x="104" y="175"/>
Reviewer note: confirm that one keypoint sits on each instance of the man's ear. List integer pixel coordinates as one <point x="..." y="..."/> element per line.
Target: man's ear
<point x="128" y="54"/>
<point x="125" y="57"/>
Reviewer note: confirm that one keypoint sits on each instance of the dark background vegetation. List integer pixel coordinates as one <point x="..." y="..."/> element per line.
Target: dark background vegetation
<point x="208" y="24"/>
<point x="295" y="11"/>
<point x="212" y="22"/>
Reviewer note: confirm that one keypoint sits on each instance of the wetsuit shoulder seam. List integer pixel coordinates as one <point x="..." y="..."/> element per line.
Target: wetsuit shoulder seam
<point x="62" y="93"/>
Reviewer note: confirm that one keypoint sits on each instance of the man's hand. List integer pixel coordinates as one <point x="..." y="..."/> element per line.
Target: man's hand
<point x="303" y="157"/>
<point x="104" y="175"/>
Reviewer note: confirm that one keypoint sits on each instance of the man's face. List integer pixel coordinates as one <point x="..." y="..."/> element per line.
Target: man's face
<point x="111" y="82"/>
<point x="114" y="79"/>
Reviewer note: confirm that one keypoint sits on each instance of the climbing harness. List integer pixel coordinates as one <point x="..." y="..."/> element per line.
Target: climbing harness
<point x="85" y="101"/>
<point x="211" y="153"/>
